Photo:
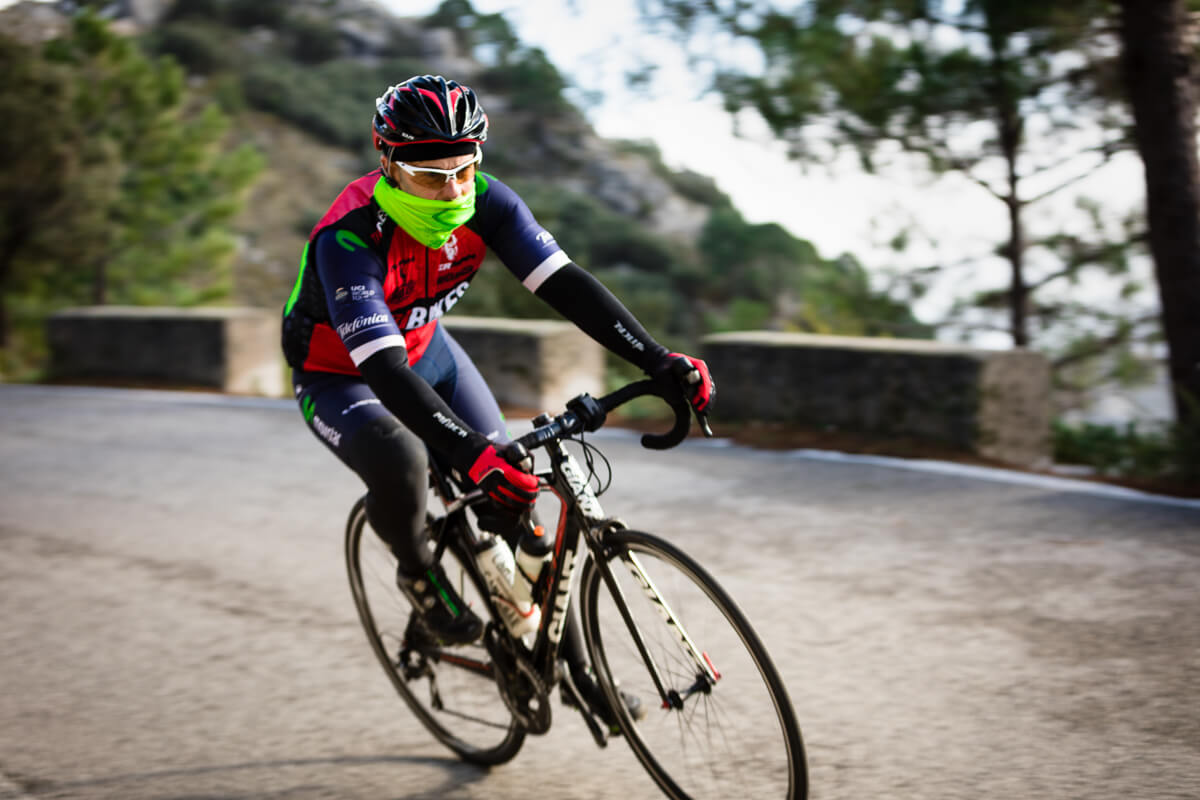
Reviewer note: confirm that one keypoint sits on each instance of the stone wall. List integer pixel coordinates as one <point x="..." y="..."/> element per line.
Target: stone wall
<point x="232" y="350"/>
<point x="535" y="365"/>
<point x="992" y="403"/>
<point x="530" y="364"/>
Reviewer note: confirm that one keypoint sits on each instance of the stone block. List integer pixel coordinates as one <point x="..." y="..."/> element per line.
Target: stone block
<point x="233" y="350"/>
<point x="992" y="403"/>
<point x="535" y="365"/>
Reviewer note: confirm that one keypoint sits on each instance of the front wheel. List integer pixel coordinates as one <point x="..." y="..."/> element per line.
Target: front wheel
<point x="452" y="690"/>
<point x="719" y="721"/>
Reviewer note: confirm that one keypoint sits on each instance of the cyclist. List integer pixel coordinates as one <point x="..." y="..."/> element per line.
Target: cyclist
<point x="381" y="382"/>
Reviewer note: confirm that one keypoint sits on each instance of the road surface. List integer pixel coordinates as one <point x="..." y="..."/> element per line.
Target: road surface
<point x="177" y="624"/>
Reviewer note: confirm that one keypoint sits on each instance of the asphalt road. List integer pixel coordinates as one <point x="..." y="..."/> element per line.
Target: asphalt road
<point x="177" y="624"/>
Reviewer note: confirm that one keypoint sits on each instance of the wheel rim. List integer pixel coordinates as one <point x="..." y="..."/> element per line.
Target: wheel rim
<point x="451" y="690"/>
<point x="731" y="738"/>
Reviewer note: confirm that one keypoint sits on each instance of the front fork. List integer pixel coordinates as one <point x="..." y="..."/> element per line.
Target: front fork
<point x="706" y="673"/>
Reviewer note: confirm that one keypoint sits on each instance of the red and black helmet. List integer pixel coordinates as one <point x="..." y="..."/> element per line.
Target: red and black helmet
<point x="428" y="117"/>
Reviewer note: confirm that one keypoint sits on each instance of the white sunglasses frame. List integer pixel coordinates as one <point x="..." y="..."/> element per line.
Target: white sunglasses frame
<point x="448" y="174"/>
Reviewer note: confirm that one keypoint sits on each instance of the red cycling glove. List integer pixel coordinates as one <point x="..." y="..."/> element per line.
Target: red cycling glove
<point x="509" y="487"/>
<point x="693" y="377"/>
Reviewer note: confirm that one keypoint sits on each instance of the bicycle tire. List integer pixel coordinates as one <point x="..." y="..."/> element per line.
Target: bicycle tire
<point x="682" y="748"/>
<point x="468" y="715"/>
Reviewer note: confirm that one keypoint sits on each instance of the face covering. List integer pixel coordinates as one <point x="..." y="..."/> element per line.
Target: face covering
<point x="430" y="222"/>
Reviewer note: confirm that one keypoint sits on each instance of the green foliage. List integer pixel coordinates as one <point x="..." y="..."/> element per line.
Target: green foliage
<point x="523" y="74"/>
<point x="137" y="175"/>
<point x="195" y="10"/>
<point x="488" y="37"/>
<point x="250" y="13"/>
<point x="778" y="281"/>
<point x="37" y="165"/>
<point x="529" y="80"/>
<point x="199" y="46"/>
<point x="1171" y="454"/>
<point x="328" y="100"/>
<point x="313" y="41"/>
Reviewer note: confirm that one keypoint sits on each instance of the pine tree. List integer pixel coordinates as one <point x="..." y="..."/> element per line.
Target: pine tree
<point x="1161" y="73"/>
<point x="117" y="183"/>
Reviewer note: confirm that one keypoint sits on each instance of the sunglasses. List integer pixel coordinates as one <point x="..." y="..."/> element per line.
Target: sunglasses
<point x="433" y="178"/>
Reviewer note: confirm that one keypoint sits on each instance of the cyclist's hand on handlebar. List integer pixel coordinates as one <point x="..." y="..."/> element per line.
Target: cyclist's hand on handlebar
<point x="502" y="472"/>
<point x="692" y="378"/>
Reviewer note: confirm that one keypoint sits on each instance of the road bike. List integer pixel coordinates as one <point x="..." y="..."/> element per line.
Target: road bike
<point x="718" y="721"/>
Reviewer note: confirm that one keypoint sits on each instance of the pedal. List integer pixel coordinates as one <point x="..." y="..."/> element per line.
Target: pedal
<point x="572" y="698"/>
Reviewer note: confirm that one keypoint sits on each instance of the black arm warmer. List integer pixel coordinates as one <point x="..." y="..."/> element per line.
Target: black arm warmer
<point x="581" y="298"/>
<point x="420" y="408"/>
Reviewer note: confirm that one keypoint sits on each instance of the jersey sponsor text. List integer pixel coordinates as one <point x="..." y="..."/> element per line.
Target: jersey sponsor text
<point x="629" y="337"/>
<point x="422" y="315"/>
<point x="362" y="323"/>
<point x="327" y="431"/>
<point x="450" y="425"/>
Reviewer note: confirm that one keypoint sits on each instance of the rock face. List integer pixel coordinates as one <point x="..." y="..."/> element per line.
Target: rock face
<point x="992" y="403"/>
<point x="32" y="23"/>
<point x="145" y="13"/>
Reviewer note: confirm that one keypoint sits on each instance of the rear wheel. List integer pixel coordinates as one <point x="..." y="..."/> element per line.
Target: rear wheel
<point x="451" y="690"/>
<point x="727" y="728"/>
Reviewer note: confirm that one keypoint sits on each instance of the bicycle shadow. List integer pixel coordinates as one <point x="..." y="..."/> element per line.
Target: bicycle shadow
<point x="459" y="776"/>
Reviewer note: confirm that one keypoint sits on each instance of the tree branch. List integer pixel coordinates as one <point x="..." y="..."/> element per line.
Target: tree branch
<point x="1065" y="184"/>
<point x="1101" y="346"/>
<point x="957" y="162"/>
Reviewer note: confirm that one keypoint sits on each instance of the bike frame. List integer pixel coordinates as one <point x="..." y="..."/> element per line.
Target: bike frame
<point x="581" y="519"/>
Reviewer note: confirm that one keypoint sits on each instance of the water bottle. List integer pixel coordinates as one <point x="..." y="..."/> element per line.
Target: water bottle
<point x="533" y="551"/>
<point x="496" y="561"/>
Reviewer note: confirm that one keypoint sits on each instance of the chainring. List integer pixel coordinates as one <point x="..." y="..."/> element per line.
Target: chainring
<point x="523" y="691"/>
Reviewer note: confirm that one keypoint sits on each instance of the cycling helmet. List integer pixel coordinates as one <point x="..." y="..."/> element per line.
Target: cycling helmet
<point x="428" y="117"/>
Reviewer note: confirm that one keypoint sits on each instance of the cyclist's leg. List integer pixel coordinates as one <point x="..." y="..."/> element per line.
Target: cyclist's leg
<point x="343" y="412"/>
<point x="453" y="375"/>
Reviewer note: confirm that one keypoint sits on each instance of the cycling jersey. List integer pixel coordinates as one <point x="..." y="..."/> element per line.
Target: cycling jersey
<point x="366" y="285"/>
<point x="368" y="298"/>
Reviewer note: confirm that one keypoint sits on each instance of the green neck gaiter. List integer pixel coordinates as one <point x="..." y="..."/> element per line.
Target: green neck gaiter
<point x="430" y="222"/>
